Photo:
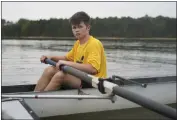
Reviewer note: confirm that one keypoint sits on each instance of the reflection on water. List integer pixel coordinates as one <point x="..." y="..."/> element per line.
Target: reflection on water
<point x="21" y="65"/>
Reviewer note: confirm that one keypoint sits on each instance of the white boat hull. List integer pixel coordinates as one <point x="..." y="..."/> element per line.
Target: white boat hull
<point x="164" y="93"/>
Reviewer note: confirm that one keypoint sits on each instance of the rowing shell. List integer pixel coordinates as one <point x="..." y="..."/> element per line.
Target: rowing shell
<point x="53" y="103"/>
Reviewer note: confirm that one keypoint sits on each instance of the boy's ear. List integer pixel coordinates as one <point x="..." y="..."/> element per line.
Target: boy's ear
<point x="88" y="27"/>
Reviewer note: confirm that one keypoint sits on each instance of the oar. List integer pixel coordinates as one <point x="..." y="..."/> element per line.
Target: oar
<point x="108" y="87"/>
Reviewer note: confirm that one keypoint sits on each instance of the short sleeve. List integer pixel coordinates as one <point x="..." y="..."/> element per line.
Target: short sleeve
<point x="70" y="54"/>
<point x="94" y="56"/>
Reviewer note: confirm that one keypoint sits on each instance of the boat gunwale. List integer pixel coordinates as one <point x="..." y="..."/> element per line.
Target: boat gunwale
<point x="28" y="88"/>
<point x="55" y="91"/>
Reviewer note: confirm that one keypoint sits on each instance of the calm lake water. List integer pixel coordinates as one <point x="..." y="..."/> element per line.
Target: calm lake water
<point x="129" y="59"/>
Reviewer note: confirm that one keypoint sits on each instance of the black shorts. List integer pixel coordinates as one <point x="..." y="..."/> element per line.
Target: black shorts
<point x="85" y="84"/>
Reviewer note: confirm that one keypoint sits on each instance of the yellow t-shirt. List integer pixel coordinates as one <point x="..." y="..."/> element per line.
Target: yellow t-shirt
<point x="91" y="52"/>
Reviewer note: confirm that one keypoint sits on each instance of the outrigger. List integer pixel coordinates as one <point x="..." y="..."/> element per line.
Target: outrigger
<point x="134" y="93"/>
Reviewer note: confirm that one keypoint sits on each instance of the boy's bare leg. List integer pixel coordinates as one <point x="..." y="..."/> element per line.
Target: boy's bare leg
<point x="46" y="77"/>
<point x="55" y="82"/>
<point x="72" y="81"/>
<point x="62" y="78"/>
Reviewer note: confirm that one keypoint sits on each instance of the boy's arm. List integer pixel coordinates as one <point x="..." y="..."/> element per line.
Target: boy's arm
<point x="57" y="58"/>
<point x="88" y="68"/>
<point x="68" y="57"/>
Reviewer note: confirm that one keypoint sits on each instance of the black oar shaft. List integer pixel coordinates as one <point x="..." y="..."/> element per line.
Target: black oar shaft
<point x="77" y="73"/>
<point x="145" y="102"/>
<point x="51" y="62"/>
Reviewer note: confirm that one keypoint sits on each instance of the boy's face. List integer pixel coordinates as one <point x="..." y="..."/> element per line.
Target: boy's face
<point x="80" y="30"/>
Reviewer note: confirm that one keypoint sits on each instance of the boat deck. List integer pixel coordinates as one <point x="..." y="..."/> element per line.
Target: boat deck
<point x="126" y="114"/>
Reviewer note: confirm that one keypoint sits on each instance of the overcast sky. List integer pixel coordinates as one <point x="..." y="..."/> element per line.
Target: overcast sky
<point x="13" y="11"/>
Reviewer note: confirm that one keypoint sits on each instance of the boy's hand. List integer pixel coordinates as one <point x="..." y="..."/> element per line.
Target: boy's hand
<point x="43" y="57"/>
<point x="60" y="62"/>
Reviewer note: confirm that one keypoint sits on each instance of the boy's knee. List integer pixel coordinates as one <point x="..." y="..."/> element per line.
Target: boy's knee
<point x="59" y="76"/>
<point x="50" y="70"/>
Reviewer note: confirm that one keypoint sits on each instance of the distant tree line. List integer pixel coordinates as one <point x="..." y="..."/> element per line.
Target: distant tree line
<point x="102" y="27"/>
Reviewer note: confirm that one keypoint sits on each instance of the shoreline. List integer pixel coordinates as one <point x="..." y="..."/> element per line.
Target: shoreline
<point x="73" y="38"/>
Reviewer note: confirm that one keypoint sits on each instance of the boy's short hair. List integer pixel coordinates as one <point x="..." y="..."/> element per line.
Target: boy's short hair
<point x="79" y="17"/>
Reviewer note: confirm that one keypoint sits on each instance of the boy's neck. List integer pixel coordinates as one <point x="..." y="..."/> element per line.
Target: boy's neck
<point x="85" y="39"/>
